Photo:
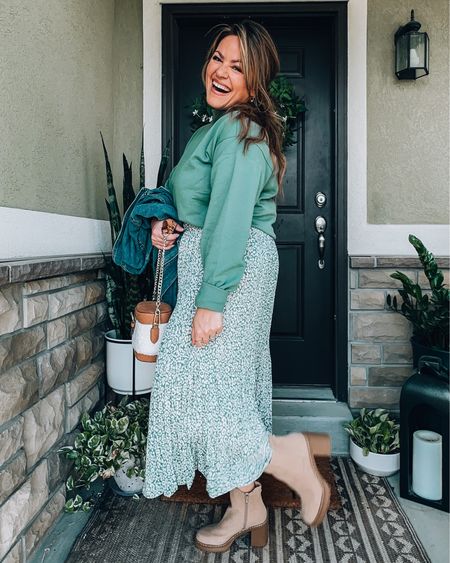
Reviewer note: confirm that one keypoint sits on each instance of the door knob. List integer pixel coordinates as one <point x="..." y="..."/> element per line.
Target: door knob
<point x="320" y="225"/>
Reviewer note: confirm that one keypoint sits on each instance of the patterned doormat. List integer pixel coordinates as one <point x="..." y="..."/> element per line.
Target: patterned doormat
<point x="274" y="492"/>
<point x="370" y="527"/>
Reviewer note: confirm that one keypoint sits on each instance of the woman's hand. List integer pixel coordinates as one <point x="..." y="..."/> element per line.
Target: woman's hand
<point x="206" y="325"/>
<point x="157" y="234"/>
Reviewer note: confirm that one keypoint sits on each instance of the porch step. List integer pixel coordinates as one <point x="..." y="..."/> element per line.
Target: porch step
<point x="290" y="415"/>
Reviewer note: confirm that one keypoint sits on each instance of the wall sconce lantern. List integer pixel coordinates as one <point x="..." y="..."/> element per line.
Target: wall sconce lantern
<point x="411" y="51"/>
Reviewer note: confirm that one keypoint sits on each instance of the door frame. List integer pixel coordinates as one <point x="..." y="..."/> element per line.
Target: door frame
<point x="337" y="11"/>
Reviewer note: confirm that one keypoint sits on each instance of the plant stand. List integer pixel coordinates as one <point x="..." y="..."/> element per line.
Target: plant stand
<point x="124" y="373"/>
<point x="133" y="380"/>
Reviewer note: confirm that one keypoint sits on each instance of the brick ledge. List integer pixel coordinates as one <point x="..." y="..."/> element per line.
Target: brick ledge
<point x="27" y="269"/>
<point x="393" y="261"/>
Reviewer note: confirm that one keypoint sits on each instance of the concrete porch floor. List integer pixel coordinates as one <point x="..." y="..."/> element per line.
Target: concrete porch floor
<point x="431" y="525"/>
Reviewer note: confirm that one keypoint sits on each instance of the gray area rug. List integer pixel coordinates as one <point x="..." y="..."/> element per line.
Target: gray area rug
<point x="370" y="527"/>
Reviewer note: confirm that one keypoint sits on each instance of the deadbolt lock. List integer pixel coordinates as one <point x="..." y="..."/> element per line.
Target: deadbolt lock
<point x="321" y="199"/>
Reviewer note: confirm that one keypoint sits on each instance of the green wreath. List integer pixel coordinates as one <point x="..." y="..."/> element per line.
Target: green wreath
<point x="288" y="105"/>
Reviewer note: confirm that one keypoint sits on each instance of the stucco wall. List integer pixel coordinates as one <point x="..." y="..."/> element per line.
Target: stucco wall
<point x="407" y="120"/>
<point x="127" y="89"/>
<point x="69" y="69"/>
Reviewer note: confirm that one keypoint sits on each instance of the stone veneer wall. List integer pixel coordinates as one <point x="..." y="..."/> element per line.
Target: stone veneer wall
<point x="52" y="320"/>
<point x="380" y="355"/>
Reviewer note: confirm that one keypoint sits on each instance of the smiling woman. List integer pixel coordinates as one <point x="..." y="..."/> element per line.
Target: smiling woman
<point x="211" y="403"/>
<point x="241" y="62"/>
<point x="225" y="81"/>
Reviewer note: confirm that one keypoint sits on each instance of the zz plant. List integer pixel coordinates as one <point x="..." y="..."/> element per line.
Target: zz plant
<point x="374" y="431"/>
<point x="108" y="439"/>
<point x="428" y="312"/>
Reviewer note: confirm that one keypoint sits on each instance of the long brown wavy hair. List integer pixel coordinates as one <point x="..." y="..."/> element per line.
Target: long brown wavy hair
<point x="260" y="65"/>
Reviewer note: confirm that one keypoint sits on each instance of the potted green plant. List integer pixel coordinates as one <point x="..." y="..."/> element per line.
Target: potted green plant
<point x="112" y="443"/>
<point x="375" y="442"/>
<point x="125" y="290"/>
<point x="427" y="311"/>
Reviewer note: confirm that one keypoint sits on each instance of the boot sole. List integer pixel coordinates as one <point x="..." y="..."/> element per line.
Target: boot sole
<point x="320" y="445"/>
<point x="259" y="538"/>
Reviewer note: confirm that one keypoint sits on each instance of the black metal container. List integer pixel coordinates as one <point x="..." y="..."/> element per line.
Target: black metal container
<point x="425" y="405"/>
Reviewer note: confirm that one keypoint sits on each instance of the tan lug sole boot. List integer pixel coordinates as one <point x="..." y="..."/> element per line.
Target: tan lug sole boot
<point x="246" y="513"/>
<point x="293" y="463"/>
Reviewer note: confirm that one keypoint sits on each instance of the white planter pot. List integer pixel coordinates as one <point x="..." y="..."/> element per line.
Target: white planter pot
<point x="119" y="367"/>
<point x="375" y="464"/>
<point x="128" y="484"/>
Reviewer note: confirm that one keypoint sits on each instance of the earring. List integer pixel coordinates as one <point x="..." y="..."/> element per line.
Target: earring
<point x="252" y="99"/>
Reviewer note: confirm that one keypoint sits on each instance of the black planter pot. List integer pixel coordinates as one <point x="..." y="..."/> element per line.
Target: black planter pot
<point x="419" y="350"/>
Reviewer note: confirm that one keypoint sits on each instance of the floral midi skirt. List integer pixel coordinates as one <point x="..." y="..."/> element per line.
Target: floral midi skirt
<point x="211" y="407"/>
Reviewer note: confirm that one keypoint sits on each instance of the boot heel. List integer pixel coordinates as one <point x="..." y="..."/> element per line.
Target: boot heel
<point x="260" y="535"/>
<point x="319" y="443"/>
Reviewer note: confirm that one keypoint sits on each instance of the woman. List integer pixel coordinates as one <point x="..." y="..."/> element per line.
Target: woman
<point x="211" y="403"/>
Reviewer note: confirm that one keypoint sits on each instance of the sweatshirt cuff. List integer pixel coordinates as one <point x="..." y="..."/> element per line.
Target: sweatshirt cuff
<point x="211" y="297"/>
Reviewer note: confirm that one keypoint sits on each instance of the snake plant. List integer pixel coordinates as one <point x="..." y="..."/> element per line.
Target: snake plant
<point x="124" y="290"/>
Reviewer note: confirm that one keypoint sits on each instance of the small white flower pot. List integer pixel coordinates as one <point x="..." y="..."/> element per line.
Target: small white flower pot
<point x="381" y="465"/>
<point x="128" y="484"/>
<point x="120" y="363"/>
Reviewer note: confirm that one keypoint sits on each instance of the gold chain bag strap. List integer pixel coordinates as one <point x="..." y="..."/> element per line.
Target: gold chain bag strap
<point x="151" y="317"/>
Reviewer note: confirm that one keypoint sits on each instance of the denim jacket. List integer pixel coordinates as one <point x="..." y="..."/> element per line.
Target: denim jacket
<point x="133" y="249"/>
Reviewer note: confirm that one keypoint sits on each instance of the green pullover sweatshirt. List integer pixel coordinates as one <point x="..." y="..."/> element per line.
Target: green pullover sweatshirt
<point x="219" y="188"/>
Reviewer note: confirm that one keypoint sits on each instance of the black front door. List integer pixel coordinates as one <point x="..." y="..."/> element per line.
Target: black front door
<point x="302" y="328"/>
<point x="303" y="339"/>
